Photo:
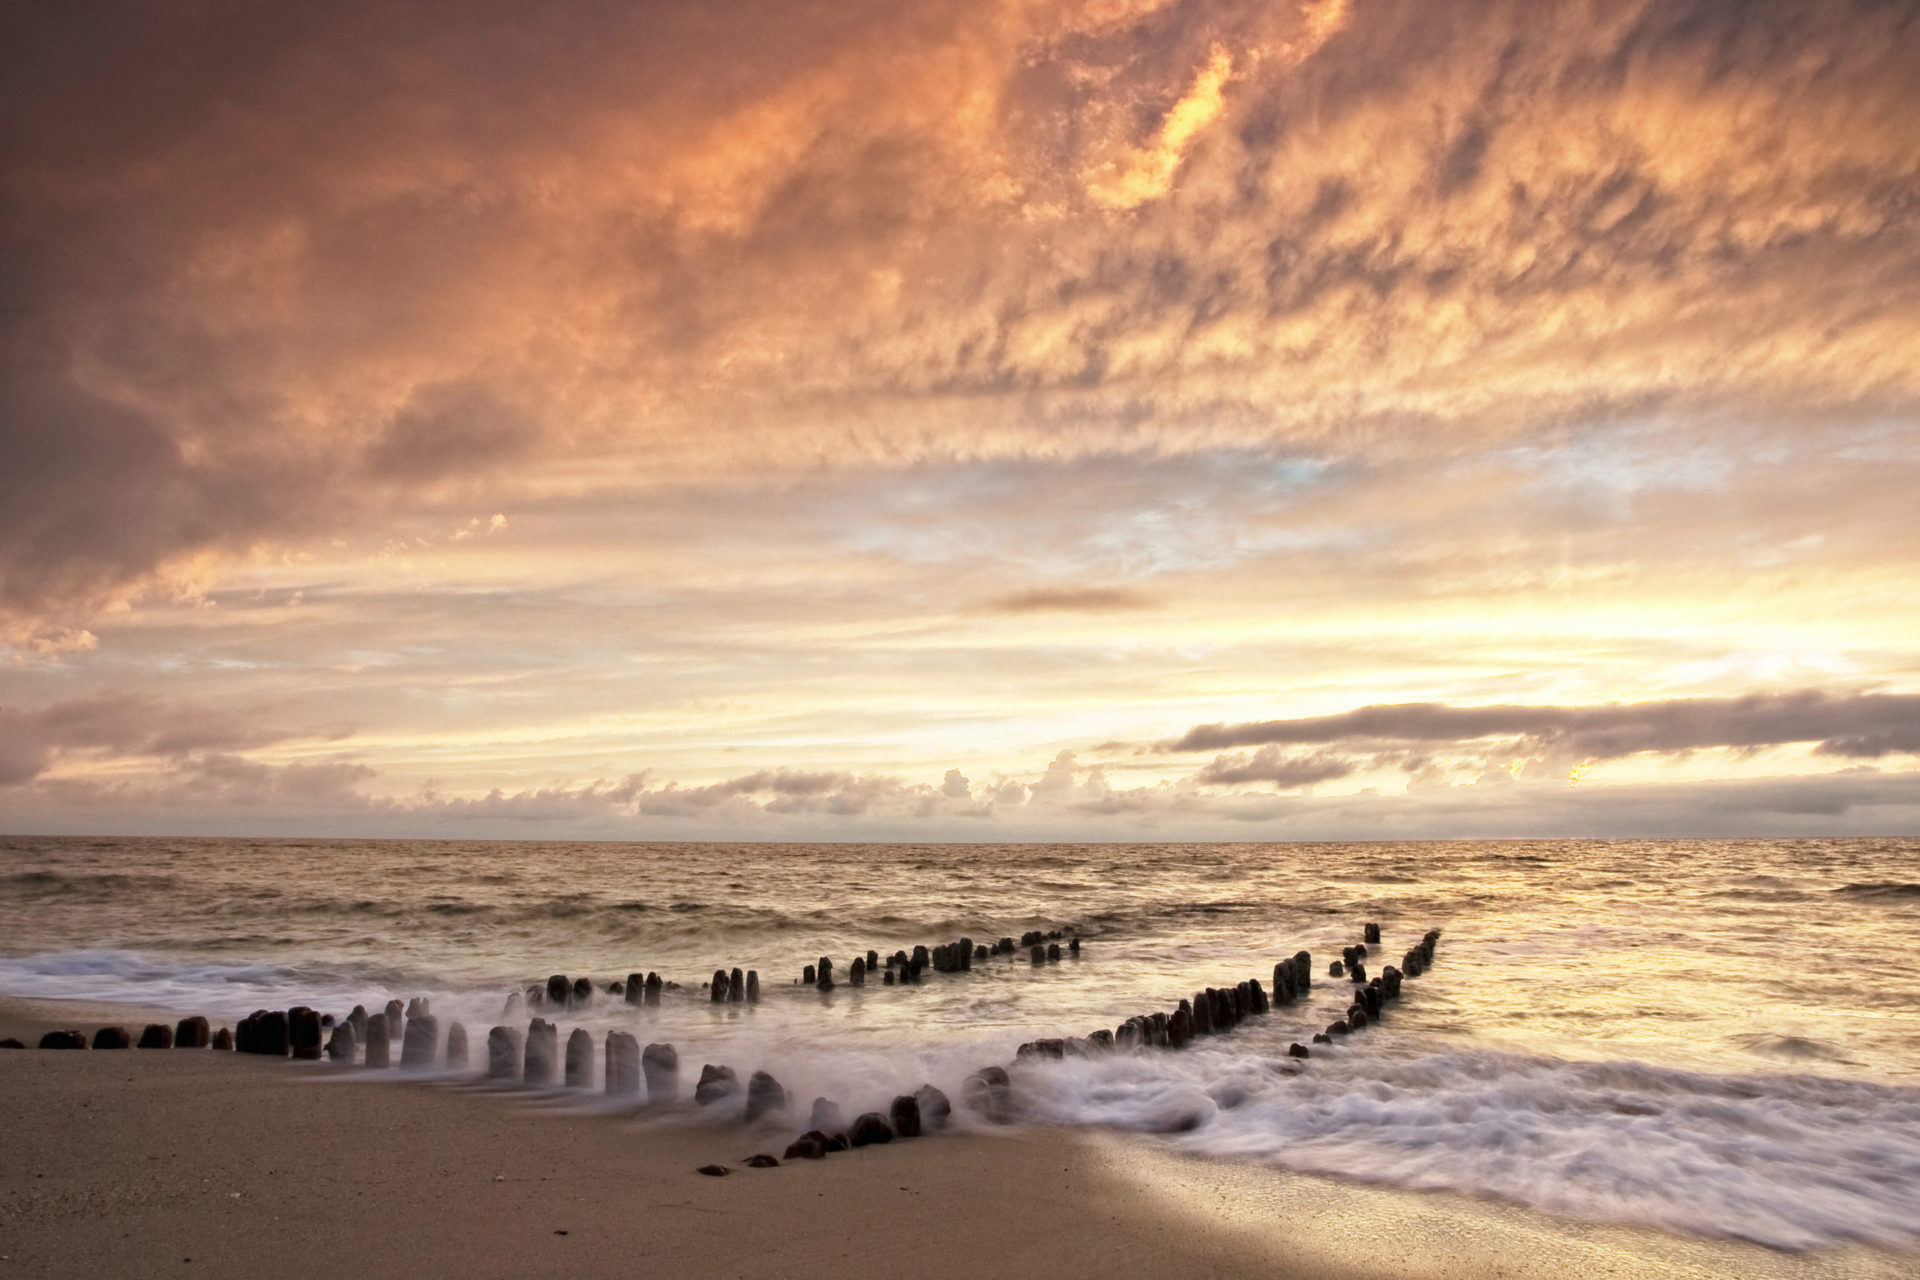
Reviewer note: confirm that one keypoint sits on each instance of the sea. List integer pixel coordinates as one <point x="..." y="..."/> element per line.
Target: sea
<point x="1719" y="1038"/>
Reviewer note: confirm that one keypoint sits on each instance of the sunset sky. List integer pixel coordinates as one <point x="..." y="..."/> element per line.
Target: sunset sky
<point x="1112" y="420"/>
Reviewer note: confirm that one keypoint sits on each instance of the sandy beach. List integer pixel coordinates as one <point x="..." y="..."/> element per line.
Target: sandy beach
<point x="203" y="1163"/>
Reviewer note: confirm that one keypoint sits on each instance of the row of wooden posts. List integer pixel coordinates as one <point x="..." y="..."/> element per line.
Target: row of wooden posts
<point x="535" y="1057"/>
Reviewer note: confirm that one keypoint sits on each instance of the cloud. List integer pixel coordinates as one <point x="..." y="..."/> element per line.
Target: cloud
<point x="1071" y="600"/>
<point x="126" y="725"/>
<point x="1842" y="724"/>
<point x="634" y="247"/>
<point x="1268" y="765"/>
<point x="1147" y="173"/>
<point x="219" y="791"/>
<point x="223" y="783"/>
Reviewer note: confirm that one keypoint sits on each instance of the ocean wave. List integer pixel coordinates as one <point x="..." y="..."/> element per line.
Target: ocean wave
<point x="115" y="976"/>
<point x="103" y="886"/>
<point x="1790" y="1162"/>
<point x="1789" y="1048"/>
<point x="1879" y="889"/>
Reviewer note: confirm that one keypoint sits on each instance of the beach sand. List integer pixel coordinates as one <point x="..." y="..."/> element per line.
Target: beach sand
<point x="145" y="1162"/>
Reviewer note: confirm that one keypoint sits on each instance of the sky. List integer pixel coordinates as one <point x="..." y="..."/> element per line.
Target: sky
<point x="1010" y="419"/>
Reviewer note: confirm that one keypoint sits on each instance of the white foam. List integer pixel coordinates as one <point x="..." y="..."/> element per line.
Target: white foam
<point x="1792" y="1162"/>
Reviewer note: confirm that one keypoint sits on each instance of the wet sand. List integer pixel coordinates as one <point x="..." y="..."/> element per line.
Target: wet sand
<point x="143" y="1162"/>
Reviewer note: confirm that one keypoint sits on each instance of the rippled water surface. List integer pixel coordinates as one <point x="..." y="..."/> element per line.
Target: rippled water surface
<point x="1721" y="1037"/>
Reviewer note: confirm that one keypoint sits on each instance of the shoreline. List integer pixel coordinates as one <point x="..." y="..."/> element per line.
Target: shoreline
<point x="125" y="1162"/>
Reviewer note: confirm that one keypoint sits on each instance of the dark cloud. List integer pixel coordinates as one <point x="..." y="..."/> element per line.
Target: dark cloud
<point x="448" y="430"/>
<point x="270" y="268"/>
<point x="1843" y="724"/>
<point x="1269" y="765"/>
<point x="133" y="725"/>
<point x="1072" y="600"/>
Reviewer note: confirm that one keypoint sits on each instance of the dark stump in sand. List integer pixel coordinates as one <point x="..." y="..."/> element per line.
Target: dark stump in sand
<point x="1180" y="1027"/>
<point x="736" y="986"/>
<point x="191" y="1033"/>
<point x="905" y="1114"/>
<point x="456" y="1047"/>
<point x="542" y="1058"/>
<point x="379" y="1048"/>
<point x="869" y="1129"/>
<point x="808" y="1146"/>
<point x="935" y="1109"/>
<point x="503" y="1054"/>
<point x="267" y="1034"/>
<point x="717" y="989"/>
<point x="764" y="1096"/>
<point x="661" y="1065"/>
<point x="1202" y="1014"/>
<point x="582" y="992"/>
<point x="303" y="1033"/>
<point x="653" y="988"/>
<point x="762" y="1162"/>
<point x="558" y="989"/>
<point x="717" y="1083"/>
<point x="11" y="1043"/>
<point x="826" y="1114"/>
<point x="580" y="1059"/>
<point x="158" y="1035"/>
<point x="622" y="1064"/>
<point x="223" y="1041"/>
<point x="64" y="1040"/>
<point x="341" y="1044"/>
<point x="989" y="1091"/>
<point x="636" y="987"/>
<point x="112" y="1038"/>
